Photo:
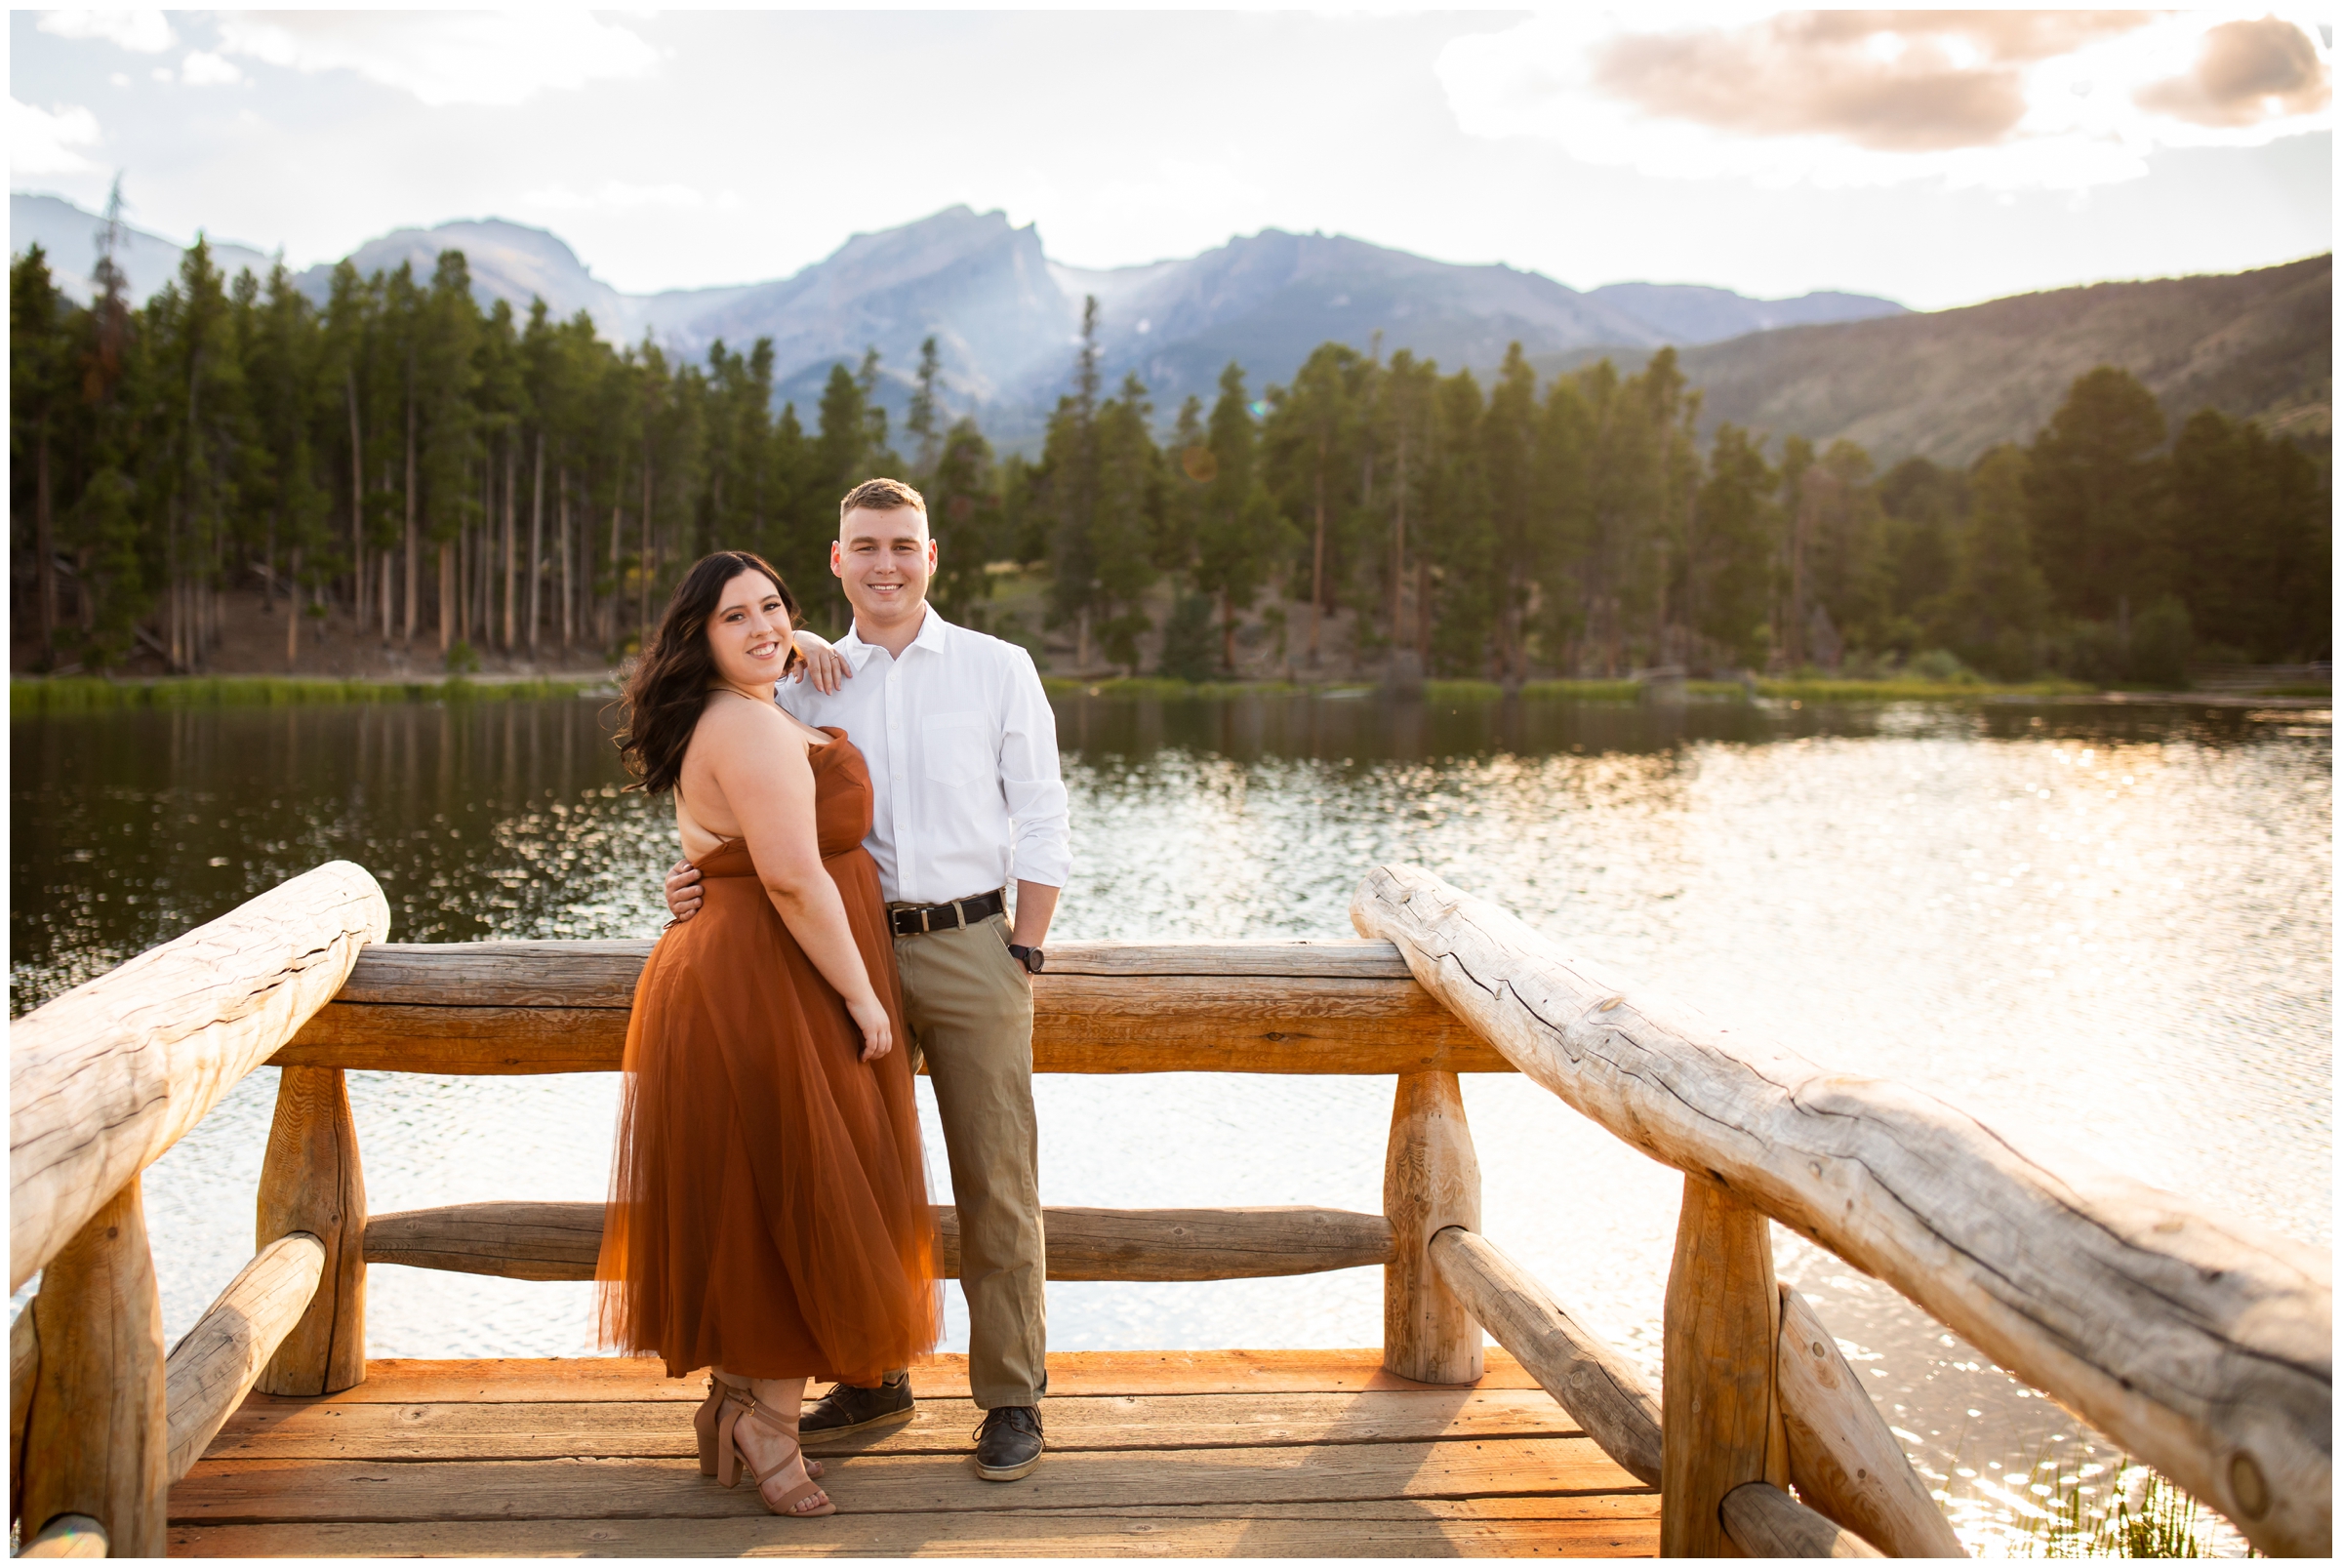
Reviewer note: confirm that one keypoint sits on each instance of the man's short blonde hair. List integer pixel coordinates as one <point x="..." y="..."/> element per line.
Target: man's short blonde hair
<point x="882" y="496"/>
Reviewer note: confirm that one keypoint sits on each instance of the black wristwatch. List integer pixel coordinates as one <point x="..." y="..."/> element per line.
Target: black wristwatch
<point x="1030" y="957"/>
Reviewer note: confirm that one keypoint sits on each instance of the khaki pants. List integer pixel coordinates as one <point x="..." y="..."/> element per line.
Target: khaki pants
<point x="969" y="1006"/>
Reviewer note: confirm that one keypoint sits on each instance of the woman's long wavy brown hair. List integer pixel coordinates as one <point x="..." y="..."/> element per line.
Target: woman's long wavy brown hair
<point x="666" y="690"/>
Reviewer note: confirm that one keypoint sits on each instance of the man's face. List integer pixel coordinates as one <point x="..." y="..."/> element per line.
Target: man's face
<point x="884" y="559"/>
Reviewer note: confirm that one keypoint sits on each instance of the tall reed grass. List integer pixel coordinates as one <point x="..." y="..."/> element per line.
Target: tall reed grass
<point x="90" y="694"/>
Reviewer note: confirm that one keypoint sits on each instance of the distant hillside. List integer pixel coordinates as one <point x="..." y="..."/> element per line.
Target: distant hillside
<point x="1004" y="316"/>
<point x="1949" y="383"/>
<point x="1690" y="313"/>
<point x="69" y="237"/>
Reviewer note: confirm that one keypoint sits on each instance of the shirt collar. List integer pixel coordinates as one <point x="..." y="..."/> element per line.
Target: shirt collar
<point x="932" y="629"/>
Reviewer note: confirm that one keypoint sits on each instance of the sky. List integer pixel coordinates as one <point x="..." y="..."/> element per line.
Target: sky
<point x="1936" y="158"/>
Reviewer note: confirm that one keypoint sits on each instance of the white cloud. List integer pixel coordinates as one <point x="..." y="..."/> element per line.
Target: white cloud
<point x="142" y="32"/>
<point x="445" y="58"/>
<point x="41" y="142"/>
<point x="2009" y="101"/>
<point x="616" y="195"/>
<point x="205" y="69"/>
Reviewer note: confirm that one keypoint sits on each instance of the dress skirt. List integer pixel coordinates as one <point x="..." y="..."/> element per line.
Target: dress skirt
<point x="768" y="1198"/>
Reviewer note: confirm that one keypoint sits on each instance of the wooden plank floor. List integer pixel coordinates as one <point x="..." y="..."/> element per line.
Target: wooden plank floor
<point x="1232" y="1453"/>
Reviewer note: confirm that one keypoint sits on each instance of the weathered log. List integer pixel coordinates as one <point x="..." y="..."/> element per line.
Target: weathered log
<point x="105" y="1078"/>
<point x="1431" y="1181"/>
<point x="95" y="1435"/>
<point x="210" y="1371"/>
<point x="68" y="1535"/>
<point x="1722" y="1325"/>
<point x="499" y="1007"/>
<point x="311" y="1184"/>
<point x="1170" y="1245"/>
<point x="562" y="1240"/>
<point x="1844" y="1460"/>
<point x="23" y="1363"/>
<point x="1764" y="1522"/>
<point x="602" y="974"/>
<point x="1586" y="1377"/>
<point x="511" y="1241"/>
<point x="2202" y="1345"/>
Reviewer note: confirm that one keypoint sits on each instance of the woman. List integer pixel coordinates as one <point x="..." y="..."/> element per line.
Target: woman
<point x="768" y="1214"/>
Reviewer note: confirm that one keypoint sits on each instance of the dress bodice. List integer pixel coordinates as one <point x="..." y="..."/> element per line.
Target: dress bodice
<point x="841" y="809"/>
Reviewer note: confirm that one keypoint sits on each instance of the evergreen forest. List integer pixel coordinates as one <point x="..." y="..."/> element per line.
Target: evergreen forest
<point x="451" y="479"/>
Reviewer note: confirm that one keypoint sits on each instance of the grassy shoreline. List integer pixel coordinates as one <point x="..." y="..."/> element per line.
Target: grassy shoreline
<point x="1582" y="691"/>
<point x="39" y="696"/>
<point x="32" y="697"/>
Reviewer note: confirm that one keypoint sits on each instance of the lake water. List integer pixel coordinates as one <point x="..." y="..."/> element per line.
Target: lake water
<point x="2112" y="924"/>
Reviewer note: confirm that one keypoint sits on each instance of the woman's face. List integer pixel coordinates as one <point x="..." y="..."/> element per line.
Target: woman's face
<point x="749" y="634"/>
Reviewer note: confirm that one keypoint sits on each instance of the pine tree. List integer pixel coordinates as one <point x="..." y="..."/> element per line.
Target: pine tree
<point x="2091" y="495"/>
<point x="37" y="363"/>
<point x="1998" y="596"/>
<point x="1730" y="555"/>
<point x="1241" y="532"/>
<point x="925" y="418"/>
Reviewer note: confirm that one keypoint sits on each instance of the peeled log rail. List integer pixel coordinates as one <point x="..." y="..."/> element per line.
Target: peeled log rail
<point x="1586" y="1377"/>
<point x="94" y="1430"/>
<point x="562" y="1240"/>
<point x="1764" y="1522"/>
<point x="1843" y="1456"/>
<point x="1304" y="1007"/>
<point x="2201" y="1345"/>
<point x="68" y="1535"/>
<point x="210" y="1371"/>
<point x="23" y="1364"/>
<point x="105" y="1078"/>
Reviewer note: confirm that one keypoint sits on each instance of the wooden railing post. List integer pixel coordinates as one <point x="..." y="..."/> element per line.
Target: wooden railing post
<point x="1431" y="1181"/>
<point x="312" y="1181"/>
<point x="95" y="1437"/>
<point x="1720" y="1424"/>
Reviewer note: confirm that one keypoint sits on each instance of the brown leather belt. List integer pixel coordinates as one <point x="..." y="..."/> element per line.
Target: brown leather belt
<point x="957" y="915"/>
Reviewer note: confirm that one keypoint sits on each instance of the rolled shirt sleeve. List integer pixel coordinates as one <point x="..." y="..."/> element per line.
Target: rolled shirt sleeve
<point x="1029" y="783"/>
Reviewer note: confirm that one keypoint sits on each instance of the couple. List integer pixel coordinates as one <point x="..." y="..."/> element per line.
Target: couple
<point x="847" y="844"/>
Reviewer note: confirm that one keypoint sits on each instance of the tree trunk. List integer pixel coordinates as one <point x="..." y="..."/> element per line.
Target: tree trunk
<point x="537" y="547"/>
<point x="447" y="594"/>
<point x="643" y="566"/>
<point x="569" y="596"/>
<point x="357" y="503"/>
<point x="414" y="544"/>
<point x="1317" y="561"/>
<point x="1423" y="612"/>
<point x="618" y="587"/>
<point x="1227" y="630"/>
<point x="1398" y="547"/>
<point x="292" y="609"/>
<point x="45" y="546"/>
<point x="511" y="549"/>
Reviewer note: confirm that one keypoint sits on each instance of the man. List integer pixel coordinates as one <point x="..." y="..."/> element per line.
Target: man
<point x="962" y="753"/>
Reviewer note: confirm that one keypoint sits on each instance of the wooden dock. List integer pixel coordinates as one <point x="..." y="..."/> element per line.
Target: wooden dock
<point x="2201" y="1345"/>
<point x="1224" y="1453"/>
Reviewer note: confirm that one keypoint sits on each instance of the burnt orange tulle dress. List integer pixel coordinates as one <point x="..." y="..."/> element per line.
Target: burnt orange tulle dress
<point x="768" y="1200"/>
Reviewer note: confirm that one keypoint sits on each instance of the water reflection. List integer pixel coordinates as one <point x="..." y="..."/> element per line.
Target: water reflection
<point x="2111" y="924"/>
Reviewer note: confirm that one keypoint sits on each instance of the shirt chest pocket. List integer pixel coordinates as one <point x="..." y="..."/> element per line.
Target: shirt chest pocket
<point x="955" y="750"/>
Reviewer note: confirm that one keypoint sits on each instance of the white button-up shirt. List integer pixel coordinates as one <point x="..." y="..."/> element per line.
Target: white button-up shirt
<point x="962" y="750"/>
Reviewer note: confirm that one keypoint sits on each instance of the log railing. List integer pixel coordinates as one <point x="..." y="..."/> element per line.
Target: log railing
<point x="101" y="1082"/>
<point x="2202" y="1347"/>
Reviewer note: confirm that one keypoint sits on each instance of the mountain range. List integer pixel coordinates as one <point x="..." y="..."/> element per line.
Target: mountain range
<point x="1005" y="316"/>
<point x="1944" y="384"/>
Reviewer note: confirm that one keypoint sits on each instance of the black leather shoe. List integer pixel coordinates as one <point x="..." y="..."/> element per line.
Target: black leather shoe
<point x="845" y="1410"/>
<point x="1008" y="1445"/>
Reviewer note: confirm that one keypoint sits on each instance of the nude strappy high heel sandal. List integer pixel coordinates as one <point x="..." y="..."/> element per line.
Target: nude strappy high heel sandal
<point x="731" y="1458"/>
<point x="703" y="1422"/>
